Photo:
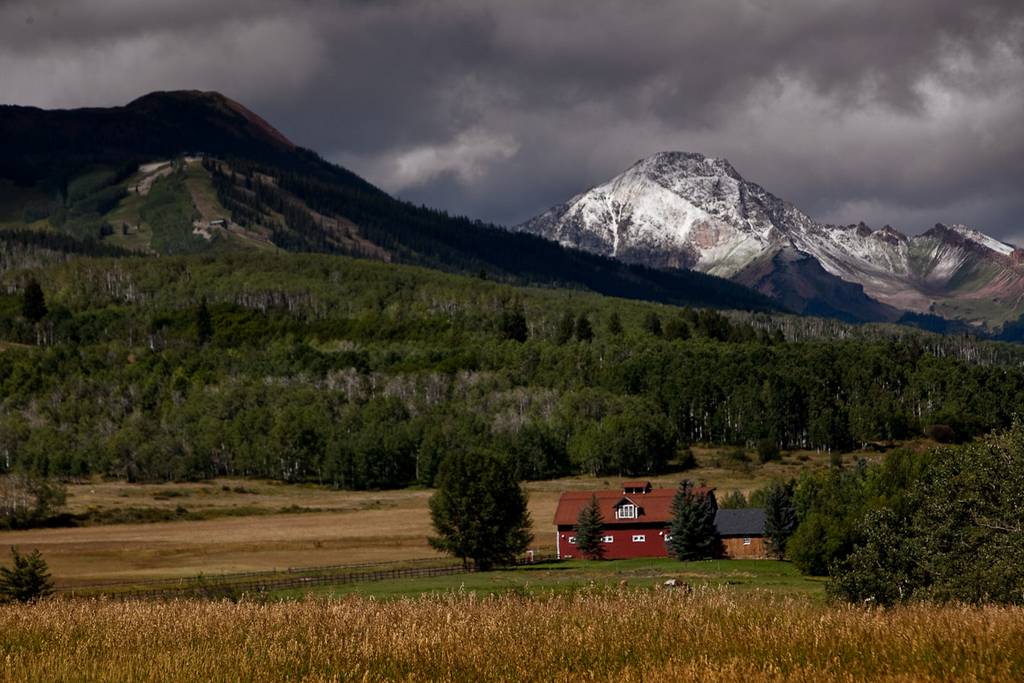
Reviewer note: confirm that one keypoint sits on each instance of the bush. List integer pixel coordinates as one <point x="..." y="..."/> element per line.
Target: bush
<point x="735" y="459"/>
<point x="686" y="460"/>
<point x="940" y="433"/>
<point x="768" y="450"/>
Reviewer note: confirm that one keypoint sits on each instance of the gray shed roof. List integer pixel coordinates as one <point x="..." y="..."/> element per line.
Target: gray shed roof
<point x="740" y="522"/>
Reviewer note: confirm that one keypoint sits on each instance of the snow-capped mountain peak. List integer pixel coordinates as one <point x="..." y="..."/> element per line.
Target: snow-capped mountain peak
<point x="982" y="239"/>
<point x="673" y="209"/>
<point x="683" y="209"/>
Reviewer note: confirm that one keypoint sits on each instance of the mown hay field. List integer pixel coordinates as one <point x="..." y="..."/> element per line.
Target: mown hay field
<point x="601" y="634"/>
<point x="245" y="525"/>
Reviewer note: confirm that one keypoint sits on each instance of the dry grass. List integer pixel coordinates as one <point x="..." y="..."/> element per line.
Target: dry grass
<point x="588" y="635"/>
<point x="351" y="527"/>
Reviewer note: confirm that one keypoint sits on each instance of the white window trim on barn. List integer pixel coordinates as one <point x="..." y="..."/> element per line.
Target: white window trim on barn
<point x="607" y="539"/>
<point x="572" y="540"/>
<point x="639" y="538"/>
<point x="627" y="511"/>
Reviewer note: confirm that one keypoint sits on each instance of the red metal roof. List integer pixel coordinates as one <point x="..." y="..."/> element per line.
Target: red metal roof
<point x="655" y="506"/>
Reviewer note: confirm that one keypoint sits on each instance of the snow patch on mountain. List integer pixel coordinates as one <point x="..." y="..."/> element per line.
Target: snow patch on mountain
<point x="984" y="240"/>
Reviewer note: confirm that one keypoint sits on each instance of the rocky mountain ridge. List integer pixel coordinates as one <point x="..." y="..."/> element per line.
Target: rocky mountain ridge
<point x="686" y="210"/>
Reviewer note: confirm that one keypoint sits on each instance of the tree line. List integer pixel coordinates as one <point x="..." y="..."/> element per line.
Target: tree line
<point x="944" y="524"/>
<point x="368" y="379"/>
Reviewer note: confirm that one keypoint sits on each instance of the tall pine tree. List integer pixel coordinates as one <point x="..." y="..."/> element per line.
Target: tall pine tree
<point x="615" y="324"/>
<point x="584" y="331"/>
<point x="589" y="530"/>
<point x="513" y="324"/>
<point x="566" y="329"/>
<point x="652" y="324"/>
<point x="693" y="535"/>
<point x="780" y="518"/>
<point x="204" y="324"/>
<point x="33" y="302"/>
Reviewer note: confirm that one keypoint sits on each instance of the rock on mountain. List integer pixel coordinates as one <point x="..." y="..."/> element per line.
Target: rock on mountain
<point x="685" y="210"/>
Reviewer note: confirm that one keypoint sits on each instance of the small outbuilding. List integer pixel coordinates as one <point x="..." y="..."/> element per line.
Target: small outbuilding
<point x="742" y="533"/>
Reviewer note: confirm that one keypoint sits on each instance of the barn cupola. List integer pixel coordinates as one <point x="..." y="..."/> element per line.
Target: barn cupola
<point x="636" y="487"/>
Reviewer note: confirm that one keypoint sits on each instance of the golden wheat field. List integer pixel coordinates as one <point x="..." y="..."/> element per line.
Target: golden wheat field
<point x="599" y="634"/>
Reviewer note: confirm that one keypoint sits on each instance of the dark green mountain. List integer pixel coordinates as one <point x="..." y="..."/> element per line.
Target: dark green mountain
<point x="193" y="172"/>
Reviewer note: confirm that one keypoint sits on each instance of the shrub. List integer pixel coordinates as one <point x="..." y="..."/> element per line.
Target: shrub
<point x="768" y="450"/>
<point x="686" y="460"/>
<point x="941" y="433"/>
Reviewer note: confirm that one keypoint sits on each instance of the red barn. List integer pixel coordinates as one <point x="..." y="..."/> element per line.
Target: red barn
<point x="636" y="519"/>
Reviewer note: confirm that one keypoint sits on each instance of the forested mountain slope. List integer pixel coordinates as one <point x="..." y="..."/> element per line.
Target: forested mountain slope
<point x="363" y="374"/>
<point x="186" y="172"/>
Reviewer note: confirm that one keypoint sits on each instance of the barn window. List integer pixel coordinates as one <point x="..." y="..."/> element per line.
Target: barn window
<point x="746" y="540"/>
<point x="627" y="511"/>
<point x="607" y="539"/>
<point x="639" y="538"/>
<point x="572" y="539"/>
<point x="668" y="537"/>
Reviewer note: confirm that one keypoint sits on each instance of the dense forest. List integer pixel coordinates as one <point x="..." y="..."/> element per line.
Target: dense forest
<point x="365" y="375"/>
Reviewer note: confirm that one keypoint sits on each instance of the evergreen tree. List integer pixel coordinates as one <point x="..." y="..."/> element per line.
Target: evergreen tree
<point x="780" y="517"/>
<point x="614" y="324"/>
<point x="692" y="531"/>
<point x="589" y="530"/>
<point x="566" y="329"/>
<point x="27" y="581"/>
<point x="652" y="324"/>
<point x="734" y="500"/>
<point x="204" y="324"/>
<point x="33" y="302"/>
<point x="677" y="328"/>
<point x="584" y="332"/>
<point x="479" y="510"/>
<point x="513" y="325"/>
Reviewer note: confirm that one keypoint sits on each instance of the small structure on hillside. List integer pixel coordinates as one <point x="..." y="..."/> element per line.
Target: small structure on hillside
<point x="636" y="522"/>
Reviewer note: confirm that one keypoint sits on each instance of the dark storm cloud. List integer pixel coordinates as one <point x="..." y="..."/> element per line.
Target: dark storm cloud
<point x="907" y="113"/>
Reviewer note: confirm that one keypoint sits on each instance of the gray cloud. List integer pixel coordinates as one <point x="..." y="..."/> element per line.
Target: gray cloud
<point x="905" y="113"/>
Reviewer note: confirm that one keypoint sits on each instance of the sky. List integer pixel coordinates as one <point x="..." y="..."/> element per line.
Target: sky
<point x="906" y="113"/>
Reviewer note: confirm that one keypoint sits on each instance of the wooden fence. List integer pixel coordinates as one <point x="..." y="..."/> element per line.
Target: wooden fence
<point x="238" y="586"/>
<point x="238" y="577"/>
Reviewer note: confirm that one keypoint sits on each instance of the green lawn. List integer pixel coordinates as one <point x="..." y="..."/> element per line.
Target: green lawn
<point x="779" y="577"/>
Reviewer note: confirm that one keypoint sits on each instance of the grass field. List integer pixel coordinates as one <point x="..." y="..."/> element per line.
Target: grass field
<point x="591" y="634"/>
<point x="254" y="526"/>
<point x="570" y="576"/>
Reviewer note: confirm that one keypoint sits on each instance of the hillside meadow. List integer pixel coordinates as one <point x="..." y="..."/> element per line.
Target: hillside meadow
<point x="600" y="634"/>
